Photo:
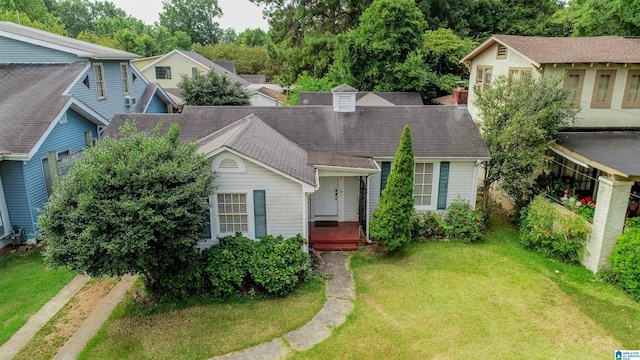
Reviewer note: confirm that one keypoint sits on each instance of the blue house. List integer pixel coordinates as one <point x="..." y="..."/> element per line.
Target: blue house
<point x="57" y="94"/>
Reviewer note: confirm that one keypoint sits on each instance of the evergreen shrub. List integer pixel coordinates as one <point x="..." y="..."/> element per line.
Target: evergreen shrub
<point x="625" y="262"/>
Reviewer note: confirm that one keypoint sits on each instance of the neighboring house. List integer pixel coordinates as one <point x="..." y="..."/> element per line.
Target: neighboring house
<point x="280" y="169"/>
<point x="364" y="98"/>
<point x="601" y="151"/>
<point x="56" y="95"/>
<point x="266" y="97"/>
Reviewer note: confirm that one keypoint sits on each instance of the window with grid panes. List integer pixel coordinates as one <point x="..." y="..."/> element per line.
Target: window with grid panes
<point x="632" y="90"/>
<point x="603" y="89"/>
<point x="422" y="184"/>
<point x="232" y="213"/>
<point x="484" y="75"/>
<point x="573" y="82"/>
<point x="98" y="73"/>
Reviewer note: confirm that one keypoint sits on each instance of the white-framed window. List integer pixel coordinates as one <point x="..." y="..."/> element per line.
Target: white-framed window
<point x="423" y="184"/>
<point x="46" y="170"/>
<point x="484" y="75"/>
<point x="101" y="89"/>
<point x="233" y="213"/>
<point x="124" y="73"/>
<point x="163" y="72"/>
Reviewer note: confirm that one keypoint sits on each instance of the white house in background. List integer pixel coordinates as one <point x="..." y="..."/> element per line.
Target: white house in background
<point x="168" y="69"/>
<point x="280" y="169"/>
<point x="601" y="151"/>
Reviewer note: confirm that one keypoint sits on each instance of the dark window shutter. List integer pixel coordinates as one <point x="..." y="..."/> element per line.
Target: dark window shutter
<point x="260" y="212"/>
<point x="443" y="186"/>
<point x="206" y="232"/>
<point x="386" y="169"/>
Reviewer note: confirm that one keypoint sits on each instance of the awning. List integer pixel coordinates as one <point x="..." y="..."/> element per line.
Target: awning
<point x="341" y="163"/>
<point x="615" y="152"/>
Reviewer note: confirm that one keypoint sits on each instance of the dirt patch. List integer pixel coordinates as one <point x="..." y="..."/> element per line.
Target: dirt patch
<point x="21" y="249"/>
<point x="81" y="306"/>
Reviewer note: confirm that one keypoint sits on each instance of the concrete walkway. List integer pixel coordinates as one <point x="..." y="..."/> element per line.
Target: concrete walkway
<point x="340" y="297"/>
<point x="92" y="324"/>
<point x="21" y="337"/>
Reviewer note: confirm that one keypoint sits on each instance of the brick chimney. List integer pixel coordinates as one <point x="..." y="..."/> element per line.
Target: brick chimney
<point x="459" y="95"/>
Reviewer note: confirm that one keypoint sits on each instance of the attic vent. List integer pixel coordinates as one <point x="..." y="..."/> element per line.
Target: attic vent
<point x="345" y="103"/>
<point x="502" y="52"/>
<point x="86" y="82"/>
<point x="228" y="165"/>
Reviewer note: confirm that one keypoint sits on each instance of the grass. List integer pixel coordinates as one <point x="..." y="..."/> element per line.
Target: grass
<point x="206" y="328"/>
<point x="26" y="285"/>
<point x="449" y="300"/>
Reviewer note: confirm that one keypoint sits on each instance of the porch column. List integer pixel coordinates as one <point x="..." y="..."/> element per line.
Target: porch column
<point x="608" y="222"/>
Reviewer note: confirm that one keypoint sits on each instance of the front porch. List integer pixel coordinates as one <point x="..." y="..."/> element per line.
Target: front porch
<point x="336" y="236"/>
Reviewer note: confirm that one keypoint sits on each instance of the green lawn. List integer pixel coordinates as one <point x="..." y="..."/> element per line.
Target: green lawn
<point x="204" y="329"/>
<point x="493" y="300"/>
<point x="25" y="285"/>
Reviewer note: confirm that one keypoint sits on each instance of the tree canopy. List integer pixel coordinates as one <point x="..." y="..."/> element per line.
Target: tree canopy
<point x="134" y="204"/>
<point x="194" y="17"/>
<point x="520" y="121"/>
<point x="211" y="89"/>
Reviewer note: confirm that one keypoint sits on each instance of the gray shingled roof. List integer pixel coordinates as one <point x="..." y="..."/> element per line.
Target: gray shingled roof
<point x="396" y="98"/>
<point x="254" y="78"/>
<point x="550" y="50"/>
<point x="618" y="150"/>
<point x="30" y="98"/>
<point x="63" y="43"/>
<point x="250" y="136"/>
<point x="227" y="64"/>
<point x="197" y="57"/>
<point x="344" y="88"/>
<point x="438" y="131"/>
<point x="213" y="65"/>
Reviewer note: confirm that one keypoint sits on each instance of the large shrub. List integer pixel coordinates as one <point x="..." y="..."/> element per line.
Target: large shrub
<point x="625" y="261"/>
<point x="464" y="223"/>
<point x="133" y="204"/>
<point x="427" y="225"/>
<point x="554" y="231"/>
<point x="391" y="224"/>
<point x="272" y="265"/>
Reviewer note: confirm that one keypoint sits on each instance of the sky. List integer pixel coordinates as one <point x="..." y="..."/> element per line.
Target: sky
<point x="237" y="14"/>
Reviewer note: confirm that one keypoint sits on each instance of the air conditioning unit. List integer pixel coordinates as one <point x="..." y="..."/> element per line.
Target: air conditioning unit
<point x="129" y="100"/>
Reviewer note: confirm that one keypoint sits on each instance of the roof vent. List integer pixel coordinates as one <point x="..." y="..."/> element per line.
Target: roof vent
<point x="344" y="98"/>
<point x="502" y="52"/>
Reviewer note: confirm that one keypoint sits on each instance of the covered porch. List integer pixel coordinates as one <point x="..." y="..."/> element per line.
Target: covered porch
<point x="338" y="211"/>
<point x="609" y="165"/>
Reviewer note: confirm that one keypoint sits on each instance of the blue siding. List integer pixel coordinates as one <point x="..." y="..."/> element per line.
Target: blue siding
<point x="64" y="136"/>
<point x="12" y="173"/>
<point x="14" y="51"/>
<point x="114" y="103"/>
<point x="156" y="106"/>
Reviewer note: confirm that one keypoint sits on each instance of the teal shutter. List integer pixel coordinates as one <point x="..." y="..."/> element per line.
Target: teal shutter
<point x="386" y="169"/>
<point x="443" y="186"/>
<point x="260" y="212"/>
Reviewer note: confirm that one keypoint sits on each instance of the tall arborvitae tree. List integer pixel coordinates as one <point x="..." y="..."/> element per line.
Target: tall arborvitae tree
<point x="391" y="224"/>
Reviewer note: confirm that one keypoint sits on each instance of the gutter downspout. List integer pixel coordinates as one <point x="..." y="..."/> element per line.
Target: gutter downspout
<point x="368" y="210"/>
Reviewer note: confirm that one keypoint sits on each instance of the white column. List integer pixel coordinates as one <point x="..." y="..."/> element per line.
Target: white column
<point x="608" y="222"/>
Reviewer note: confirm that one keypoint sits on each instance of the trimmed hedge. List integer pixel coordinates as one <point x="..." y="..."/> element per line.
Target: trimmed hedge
<point x="625" y="262"/>
<point x="464" y="223"/>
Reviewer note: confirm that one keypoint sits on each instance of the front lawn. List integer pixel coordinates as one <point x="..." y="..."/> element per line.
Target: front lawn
<point x="205" y="328"/>
<point x="494" y="300"/>
<point x="25" y="285"/>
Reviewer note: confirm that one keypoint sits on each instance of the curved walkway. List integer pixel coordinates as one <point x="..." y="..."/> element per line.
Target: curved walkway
<point x="340" y="297"/>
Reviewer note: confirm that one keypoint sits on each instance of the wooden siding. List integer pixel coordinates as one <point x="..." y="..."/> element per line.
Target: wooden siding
<point x="114" y="102"/>
<point x="156" y="106"/>
<point x="12" y="173"/>
<point x="283" y="196"/>
<point x="461" y="181"/>
<point x="69" y="135"/>
<point x="351" y="197"/>
<point x="18" y="52"/>
<point x="258" y="99"/>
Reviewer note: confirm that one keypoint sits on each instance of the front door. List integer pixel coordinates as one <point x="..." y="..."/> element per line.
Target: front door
<point x="326" y="198"/>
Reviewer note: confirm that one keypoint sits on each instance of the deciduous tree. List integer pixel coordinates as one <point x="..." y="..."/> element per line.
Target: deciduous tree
<point x="195" y="17"/>
<point x="135" y="205"/>
<point x="211" y="89"/>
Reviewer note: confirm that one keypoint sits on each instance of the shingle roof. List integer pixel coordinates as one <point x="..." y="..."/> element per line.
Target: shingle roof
<point x="213" y="65"/>
<point x="438" y="131"/>
<point x="344" y="88"/>
<point x="617" y="150"/>
<point x="274" y="94"/>
<point x="197" y="57"/>
<point x="252" y="137"/>
<point x="254" y="78"/>
<point x="63" y="43"/>
<point x="326" y="98"/>
<point x="227" y="64"/>
<point x="549" y="50"/>
<point x="372" y="99"/>
<point x="30" y="98"/>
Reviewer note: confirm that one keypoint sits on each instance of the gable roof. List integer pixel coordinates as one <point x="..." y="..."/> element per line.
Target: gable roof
<point x="252" y="137"/>
<point x="46" y="39"/>
<point x="372" y="99"/>
<point x="344" y="88"/>
<point x="395" y="98"/>
<point x="227" y="64"/>
<point x="151" y="90"/>
<point x="550" y="50"/>
<point x="438" y="132"/>
<point x="31" y="97"/>
<point x="270" y="93"/>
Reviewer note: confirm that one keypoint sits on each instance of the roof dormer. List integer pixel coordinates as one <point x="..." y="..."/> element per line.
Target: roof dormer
<point x="344" y="98"/>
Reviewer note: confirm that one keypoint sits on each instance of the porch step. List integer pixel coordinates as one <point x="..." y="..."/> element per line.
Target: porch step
<point x="328" y="240"/>
<point x="335" y="246"/>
